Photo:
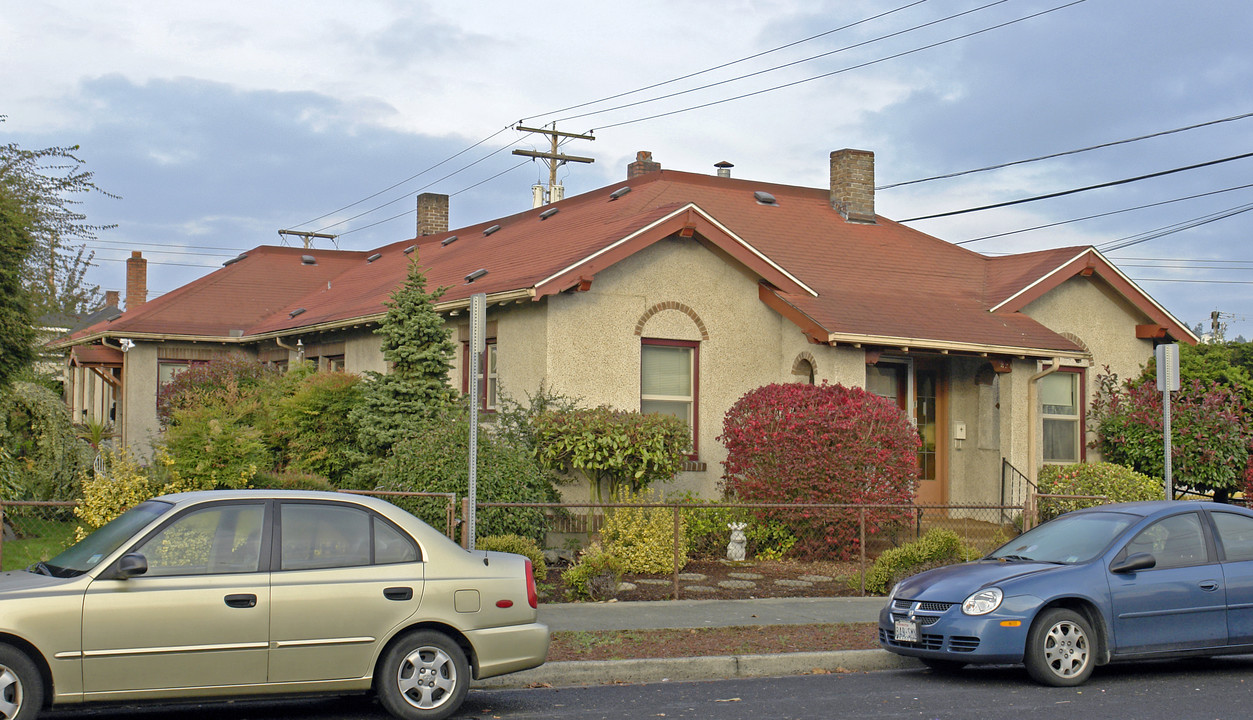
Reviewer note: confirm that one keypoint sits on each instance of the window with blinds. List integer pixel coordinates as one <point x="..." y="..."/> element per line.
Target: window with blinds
<point x="668" y="380"/>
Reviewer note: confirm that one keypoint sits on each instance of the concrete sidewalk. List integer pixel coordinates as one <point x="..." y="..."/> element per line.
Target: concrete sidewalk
<point x="696" y="614"/>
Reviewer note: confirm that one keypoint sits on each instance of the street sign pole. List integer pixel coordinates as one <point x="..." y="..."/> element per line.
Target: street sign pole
<point x="1167" y="381"/>
<point x="478" y="343"/>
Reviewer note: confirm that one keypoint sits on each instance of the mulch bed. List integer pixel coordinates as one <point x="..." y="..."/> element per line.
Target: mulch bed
<point x="754" y="640"/>
<point x="729" y="581"/>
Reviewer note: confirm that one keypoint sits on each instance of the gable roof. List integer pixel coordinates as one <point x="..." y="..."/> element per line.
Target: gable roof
<point x="839" y="281"/>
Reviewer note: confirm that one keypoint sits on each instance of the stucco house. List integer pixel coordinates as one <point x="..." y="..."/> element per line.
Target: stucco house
<point x="678" y="292"/>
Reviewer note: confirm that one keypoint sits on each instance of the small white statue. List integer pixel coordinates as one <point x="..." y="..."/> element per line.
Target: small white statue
<point x="735" y="548"/>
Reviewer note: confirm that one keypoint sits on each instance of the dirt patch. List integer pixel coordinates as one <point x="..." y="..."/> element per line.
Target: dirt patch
<point x="722" y="580"/>
<point x="700" y="642"/>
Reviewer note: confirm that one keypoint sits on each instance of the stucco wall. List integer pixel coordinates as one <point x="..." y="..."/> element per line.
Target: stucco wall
<point x="139" y="399"/>
<point x="1090" y="311"/>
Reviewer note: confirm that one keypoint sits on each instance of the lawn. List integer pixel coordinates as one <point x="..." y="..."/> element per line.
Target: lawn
<point x="52" y="537"/>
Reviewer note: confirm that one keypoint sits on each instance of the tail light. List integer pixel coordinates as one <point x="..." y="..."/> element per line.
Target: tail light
<point x="532" y="596"/>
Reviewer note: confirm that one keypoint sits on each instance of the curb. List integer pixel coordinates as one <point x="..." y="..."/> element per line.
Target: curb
<point x="721" y="667"/>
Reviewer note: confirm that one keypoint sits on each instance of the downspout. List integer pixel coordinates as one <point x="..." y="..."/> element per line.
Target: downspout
<point x="1033" y="413"/>
<point x="299" y="350"/>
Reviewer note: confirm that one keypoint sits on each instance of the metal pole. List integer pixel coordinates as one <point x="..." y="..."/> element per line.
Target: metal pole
<point x="478" y="343"/>
<point x="1170" y="484"/>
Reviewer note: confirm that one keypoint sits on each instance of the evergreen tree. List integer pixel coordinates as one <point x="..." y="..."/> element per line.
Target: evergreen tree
<point x="16" y="329"/>
<point x="418" y="348"/>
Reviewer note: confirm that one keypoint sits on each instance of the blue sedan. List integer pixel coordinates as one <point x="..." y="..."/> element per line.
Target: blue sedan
<point x="1119" y="582"/>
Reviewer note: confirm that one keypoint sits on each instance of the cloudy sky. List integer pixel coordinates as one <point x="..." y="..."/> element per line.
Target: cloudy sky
<point x="218" y="124"/>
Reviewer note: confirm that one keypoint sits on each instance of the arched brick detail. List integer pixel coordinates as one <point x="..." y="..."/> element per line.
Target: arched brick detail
<point x="671" y="305"/>
<point x="804" y="357"/>
<point x="1076" y="340"/>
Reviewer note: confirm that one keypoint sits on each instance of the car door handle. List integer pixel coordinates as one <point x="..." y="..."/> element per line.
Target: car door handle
<point x="1209" y="585"/>
<point x="243" y="600"/>
<point x="398" y="593"/>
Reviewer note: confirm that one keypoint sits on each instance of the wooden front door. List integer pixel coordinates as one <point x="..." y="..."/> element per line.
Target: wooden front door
<point x="931" y="419"/>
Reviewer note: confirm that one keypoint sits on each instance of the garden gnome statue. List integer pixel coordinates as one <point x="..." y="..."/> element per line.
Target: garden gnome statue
<point x="735" y="548"/>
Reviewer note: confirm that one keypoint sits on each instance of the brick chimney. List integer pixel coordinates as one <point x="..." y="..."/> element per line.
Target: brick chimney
<point x="643" y="164"/>
<point x="432" y="214"/>
<point x="136" y="280"/>
<point x="852" y="184"/>
<point x="112" y="298"/>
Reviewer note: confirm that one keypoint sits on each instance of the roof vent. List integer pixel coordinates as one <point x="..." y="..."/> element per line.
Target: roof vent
<point x="619" y="193"/>
<point x="491" y="230"/>
<point x="449" y="240"/>
<point x="114" y="316"/>
<point x="374" y="257"/>
<point x="724" y="168"/>
<point x="549" y="213"/>
<point x="295" y="312"/>
<point x="476" y="275"/>
<point x="235" y="259"/>
<point x="308" y="260"/>
<point x="765" y="198"/>
<point x="410" y="249"/>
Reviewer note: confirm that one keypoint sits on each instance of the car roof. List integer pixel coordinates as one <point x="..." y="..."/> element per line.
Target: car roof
<point x="198" y="496"/>
<point x="1155" y="507"/>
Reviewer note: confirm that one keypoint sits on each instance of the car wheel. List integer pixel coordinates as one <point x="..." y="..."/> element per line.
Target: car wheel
<point x="423" y="676"/>
<point x="1061" y="648"/>
<point x="21" y="687"/>
<point x="943" y="666"/>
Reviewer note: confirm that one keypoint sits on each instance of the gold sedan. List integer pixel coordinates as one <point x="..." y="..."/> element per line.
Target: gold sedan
<point x="236" y="593"/>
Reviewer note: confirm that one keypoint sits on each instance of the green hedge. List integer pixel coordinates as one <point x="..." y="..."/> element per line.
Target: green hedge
<point x="937" y="548"/>
<point x="1116" y="482"/>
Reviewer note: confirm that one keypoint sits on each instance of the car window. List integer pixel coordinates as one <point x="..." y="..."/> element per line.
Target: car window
<point x="391" y="545"/>
<point x="324" y="536"/>
<point x="87" y="553"/>
<point x="1175" y="541"/>
<point x="214" y="540"/>
<point x="1235" y="532"/>
<point x="1070" y="538"/>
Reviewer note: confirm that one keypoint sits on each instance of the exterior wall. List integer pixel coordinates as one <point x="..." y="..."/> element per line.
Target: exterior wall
<point x="975" y="462"/>
<point x="591" y="350"/>
<point x="363" y="352"/>
<point x="138" y="410"/>
<point x="1090" y="311"/>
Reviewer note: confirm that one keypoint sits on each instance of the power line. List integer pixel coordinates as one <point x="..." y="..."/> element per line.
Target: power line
<point x="786" y="65"/>
<point x="1172" y="229"/>
<point x="1063" y="193"/>
<point x="843" y="70"/>
<point x="1065" y="153"/>
<point x="1100" y="215"/>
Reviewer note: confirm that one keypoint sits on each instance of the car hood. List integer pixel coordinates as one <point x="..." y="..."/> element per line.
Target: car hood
<point x="954" y="583"/>
<point x="15" y="582"/>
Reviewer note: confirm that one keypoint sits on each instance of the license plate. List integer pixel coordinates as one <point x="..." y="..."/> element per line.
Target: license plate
<point x="906" y="631"/>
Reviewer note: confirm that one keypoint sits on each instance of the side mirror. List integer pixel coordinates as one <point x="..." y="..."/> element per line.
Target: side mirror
<point x="1134" y="562"/>
<point x="130" y="565"/>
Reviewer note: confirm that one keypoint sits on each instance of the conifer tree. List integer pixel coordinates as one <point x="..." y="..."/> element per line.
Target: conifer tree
<point x="418" y="348"/>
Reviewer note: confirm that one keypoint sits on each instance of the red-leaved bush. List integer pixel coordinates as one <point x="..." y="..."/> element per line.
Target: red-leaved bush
<point x="799" y="444"/>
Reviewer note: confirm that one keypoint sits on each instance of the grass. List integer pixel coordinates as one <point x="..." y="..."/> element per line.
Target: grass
<point x="54" y="536"/>
<point x="756" y="639"/>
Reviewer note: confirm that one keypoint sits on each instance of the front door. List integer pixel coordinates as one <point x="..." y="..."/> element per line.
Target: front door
<point x="929" y="399"/>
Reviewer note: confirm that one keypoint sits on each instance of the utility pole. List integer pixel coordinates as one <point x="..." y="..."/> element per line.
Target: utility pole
<point x="307" y="237"/>
<point x="554" y="158"/>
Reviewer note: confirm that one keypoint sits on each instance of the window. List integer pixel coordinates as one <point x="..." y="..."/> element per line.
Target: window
<point x="487" y="365"/>
<point x="1175" y="541"/>
<point x="167" y="370"/>
<point x="334" y="363"/>
<point x="217" y="539"/>
<point x="319" y="535"/>
<point x="669" y="380"/>
<point x="1235" y="532"/>
<point x="1061" y="397"/>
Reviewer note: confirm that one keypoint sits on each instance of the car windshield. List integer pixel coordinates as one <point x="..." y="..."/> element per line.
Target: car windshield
<point x="86" y="554"/>
<point x="1071" y="538"/>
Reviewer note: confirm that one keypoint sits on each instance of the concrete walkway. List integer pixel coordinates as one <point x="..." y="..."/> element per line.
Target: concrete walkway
<point x="696" y="614"/>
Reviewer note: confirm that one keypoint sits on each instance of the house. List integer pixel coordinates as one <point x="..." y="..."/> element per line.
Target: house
<point x="678" y="292"/>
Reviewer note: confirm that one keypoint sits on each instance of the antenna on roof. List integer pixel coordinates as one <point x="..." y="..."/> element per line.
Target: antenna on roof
<point x="555" y="160"/>
<point x="307" y="237"/>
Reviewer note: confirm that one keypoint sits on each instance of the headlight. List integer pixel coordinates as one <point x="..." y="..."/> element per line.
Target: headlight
<point x="983" y="602"/>
<point x="892" y="595"/>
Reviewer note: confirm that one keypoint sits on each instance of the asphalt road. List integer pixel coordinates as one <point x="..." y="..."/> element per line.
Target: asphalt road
<point x="1219" y="689"/>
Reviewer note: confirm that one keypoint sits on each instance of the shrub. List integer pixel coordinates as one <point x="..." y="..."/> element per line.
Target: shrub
<point x="798" y="444"/>
<point x="48" y="460"/>
<point x="227" y="380"/>
<point x="626" y="449"/>
<point x="436" y="459"/>
<point x="210" y="447"/>
<point x="291" y="480"/>
<point x="643" y="537"/>
<point x="595" y="576"/>
<point x="708" y="534"/>
<point x="517" y="545"/>
<point x="937" y="548"/>
<point x="1118" y="483"/>
<point x="105" y="496"/>
<point x="1210" y="432"/>
<point x="311" y="431"/>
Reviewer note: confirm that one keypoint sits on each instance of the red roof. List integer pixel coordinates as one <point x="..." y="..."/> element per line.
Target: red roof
<point x="839" y="281"/>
